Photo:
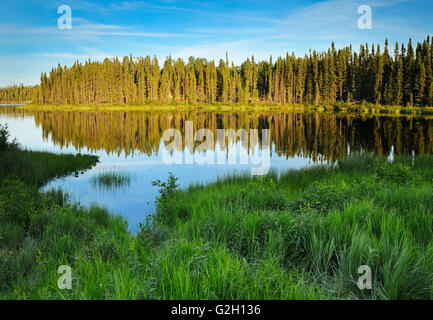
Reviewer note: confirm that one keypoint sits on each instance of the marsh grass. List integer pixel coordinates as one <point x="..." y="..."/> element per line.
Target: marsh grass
<point x="111" y="179"/>
<point x="35" y="168"/>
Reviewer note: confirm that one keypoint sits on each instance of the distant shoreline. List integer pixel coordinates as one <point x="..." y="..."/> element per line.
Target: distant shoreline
<point x="344" y="108"/>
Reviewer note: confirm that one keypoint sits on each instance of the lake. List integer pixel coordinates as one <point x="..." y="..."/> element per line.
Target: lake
<point x="132" y="143"/>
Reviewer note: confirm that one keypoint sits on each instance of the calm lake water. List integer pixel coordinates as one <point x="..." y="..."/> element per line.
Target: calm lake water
<point x="132" y="143"/>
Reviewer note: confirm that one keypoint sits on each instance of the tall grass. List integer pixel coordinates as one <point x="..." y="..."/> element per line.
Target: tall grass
<point x="111" y="179"/>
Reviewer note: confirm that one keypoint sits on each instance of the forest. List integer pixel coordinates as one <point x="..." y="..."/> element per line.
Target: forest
<point x="375" y="75"/>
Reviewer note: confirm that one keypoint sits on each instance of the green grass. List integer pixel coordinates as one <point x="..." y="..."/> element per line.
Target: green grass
<point x="36" y="168"/>
<point x="299" y="235"/>
<point x="111" y="179"/>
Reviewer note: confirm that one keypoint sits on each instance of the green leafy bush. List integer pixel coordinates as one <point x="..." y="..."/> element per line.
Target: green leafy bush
<point x="322" y="197"/>
<point x="166" y="199"/>
<point x="392" y="172"/>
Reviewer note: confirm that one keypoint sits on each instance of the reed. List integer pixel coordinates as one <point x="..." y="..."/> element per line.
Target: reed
<point x="111" y="179"/>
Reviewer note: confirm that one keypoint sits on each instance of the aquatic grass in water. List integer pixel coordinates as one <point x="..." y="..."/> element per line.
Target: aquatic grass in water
<point x="111" y="179"/>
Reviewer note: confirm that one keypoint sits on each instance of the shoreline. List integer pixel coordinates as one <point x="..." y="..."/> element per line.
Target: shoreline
<point x="369" y="109"/>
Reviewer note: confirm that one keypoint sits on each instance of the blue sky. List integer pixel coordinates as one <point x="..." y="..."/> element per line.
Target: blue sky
<point x="31" y="43"/>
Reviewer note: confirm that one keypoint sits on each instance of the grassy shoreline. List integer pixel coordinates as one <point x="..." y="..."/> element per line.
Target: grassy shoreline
<point x="366" y="108"/>
<point x="300" y="235"/>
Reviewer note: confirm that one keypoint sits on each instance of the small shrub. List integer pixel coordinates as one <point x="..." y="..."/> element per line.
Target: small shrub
<point x="166" y="199"/>
<point x="393" y="172"/>
<point x="321" y="197"/>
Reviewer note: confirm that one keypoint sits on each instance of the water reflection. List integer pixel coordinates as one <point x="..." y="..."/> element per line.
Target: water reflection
<point x="317" y="136"/>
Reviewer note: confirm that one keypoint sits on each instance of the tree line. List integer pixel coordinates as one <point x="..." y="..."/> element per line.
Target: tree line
<point x="373" y="74"/>
<point x="19" y="93"/>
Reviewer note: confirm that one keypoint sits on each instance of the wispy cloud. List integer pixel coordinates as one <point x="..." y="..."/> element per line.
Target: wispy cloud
<point x="81" y="5"/>
<point x="147" y="6"/>
<point x="86" y="30"/>
<point x="75" y="56"/>
<point x="209" y="10"/>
